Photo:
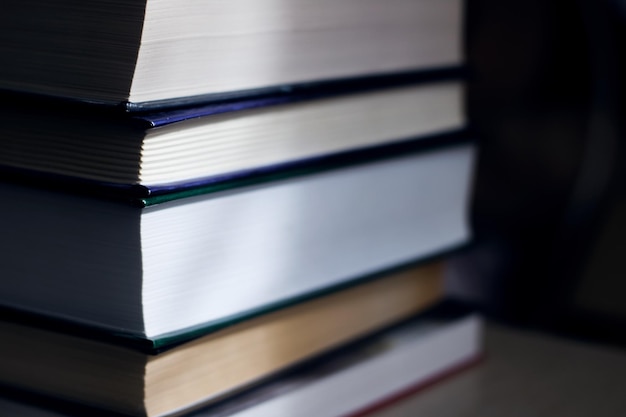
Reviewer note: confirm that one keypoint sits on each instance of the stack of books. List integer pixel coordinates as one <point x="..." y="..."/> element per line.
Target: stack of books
<point x="230" y="207"/>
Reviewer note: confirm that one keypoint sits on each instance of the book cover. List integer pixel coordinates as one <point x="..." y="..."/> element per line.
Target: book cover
<point x="202" y="260"/>
<point x="182" y="149"/>
<point x="153" y="54"/>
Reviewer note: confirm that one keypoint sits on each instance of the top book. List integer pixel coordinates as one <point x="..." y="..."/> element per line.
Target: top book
<point x="174" y="52"/>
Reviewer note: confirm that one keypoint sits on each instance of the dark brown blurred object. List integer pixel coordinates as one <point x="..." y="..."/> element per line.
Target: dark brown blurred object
<point x="545" y="98"/>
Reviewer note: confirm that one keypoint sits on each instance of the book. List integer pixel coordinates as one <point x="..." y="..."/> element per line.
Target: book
<point x="179" y="266"/>
<point x="185" y="148"/>
<point x="122" y="257"/>
<point x="120" y="378"/>
<point x="354" y="380"/>
<point x="367" y="376"/>
<point x="162" y="53"/>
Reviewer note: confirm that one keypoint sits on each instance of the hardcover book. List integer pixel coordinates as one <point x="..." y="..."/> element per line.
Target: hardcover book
<point x="186" y="148"/>
<point x="153" y="53"/>
<point x="117" y="377"/>
<point x="171" y="266"/>
<point x="368" y="376"/>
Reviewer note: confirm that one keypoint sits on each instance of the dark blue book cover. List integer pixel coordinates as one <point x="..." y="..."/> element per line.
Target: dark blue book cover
<point x="129" y="129"/>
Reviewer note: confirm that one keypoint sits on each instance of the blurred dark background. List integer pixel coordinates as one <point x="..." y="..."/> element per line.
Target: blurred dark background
<point x="545" y="100"/>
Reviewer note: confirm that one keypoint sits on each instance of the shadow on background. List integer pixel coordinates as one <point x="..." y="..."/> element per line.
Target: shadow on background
<point x="546" y="100"/>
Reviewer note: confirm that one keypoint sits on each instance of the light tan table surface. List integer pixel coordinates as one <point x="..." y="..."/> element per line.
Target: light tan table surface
<point x="526" y="374"/>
